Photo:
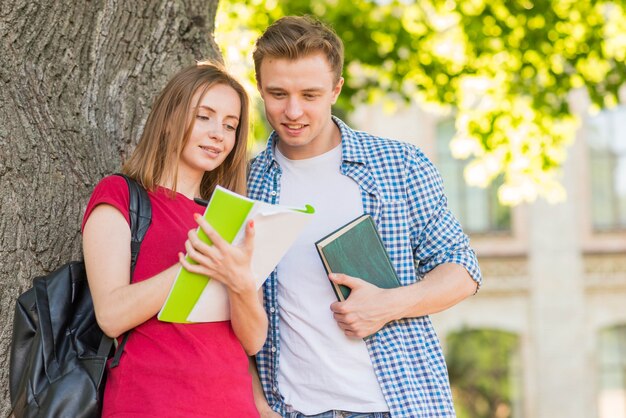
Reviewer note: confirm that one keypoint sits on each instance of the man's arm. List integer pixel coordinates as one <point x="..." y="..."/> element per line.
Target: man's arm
<point x="259" y="397"/>
<point x="369" y="308"/>
<point x="445" y="261"/>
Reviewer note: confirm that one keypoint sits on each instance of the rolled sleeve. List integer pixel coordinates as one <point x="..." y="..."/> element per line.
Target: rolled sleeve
<point x="437" y="235"/>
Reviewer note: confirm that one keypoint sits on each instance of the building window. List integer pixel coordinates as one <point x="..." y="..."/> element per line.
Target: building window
<point x="612" y="396"/>
<point x="485" y="373"/>
<point x="607" y="159"/>
<point x="478" y="210"/>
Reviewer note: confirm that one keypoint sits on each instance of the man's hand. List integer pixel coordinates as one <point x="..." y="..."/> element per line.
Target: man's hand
<point x="366" y="310"/>
<point x="369" y="308"/>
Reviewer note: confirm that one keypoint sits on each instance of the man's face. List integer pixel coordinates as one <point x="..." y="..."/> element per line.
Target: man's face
<point x="298" y="95"/>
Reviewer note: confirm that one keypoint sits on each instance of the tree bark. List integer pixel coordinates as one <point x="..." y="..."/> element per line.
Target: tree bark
<point x="77" y="79"/>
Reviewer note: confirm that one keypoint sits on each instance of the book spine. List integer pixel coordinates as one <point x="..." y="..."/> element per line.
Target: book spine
<point x="336" y="287"/>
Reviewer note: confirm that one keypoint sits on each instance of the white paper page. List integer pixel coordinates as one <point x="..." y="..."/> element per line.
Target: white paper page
<point x="276" y="230"/>
<point x="275" y="233"/>
<point x="212" y="306"/>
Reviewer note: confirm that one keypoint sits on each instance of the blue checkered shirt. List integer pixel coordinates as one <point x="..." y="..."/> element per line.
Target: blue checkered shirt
<point x="403" y="192"/>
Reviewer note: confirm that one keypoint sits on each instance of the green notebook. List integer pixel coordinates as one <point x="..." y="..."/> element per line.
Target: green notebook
<point x="197" y="298"/>
<point x="357" y="250"/>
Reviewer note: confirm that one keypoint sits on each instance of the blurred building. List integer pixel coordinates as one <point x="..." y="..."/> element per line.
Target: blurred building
<point x="554" y="275"/>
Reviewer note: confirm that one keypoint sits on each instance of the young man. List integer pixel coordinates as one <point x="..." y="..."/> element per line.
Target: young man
<point x="376" y="354"/>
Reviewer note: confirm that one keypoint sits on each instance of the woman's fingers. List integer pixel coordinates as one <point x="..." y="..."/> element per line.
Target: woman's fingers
<point x="191" y="267"/>
<point x="230" y="264"/>
<point x="196" y="245"/>
<point x="215" y="238"/>
<point x="248" y="241"/>
<point x="199" y="261"/>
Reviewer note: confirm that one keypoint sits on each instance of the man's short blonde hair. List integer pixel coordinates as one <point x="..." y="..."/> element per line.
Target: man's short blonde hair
<point x="294" y="37"/>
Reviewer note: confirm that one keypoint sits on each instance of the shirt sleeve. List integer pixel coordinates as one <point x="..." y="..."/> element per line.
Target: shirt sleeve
<point x="436" y="234"/>
<point x="111" y="190"/>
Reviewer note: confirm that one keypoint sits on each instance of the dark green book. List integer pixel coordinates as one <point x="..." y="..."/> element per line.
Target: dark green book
<point x="357" y="250"/>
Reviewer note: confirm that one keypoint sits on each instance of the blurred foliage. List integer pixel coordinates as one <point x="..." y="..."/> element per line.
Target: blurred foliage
<point x="482" y="366"/>
<point x="506" y="67"/>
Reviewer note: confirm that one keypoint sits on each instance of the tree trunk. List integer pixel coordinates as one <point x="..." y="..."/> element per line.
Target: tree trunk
<point x="77" y="79"/>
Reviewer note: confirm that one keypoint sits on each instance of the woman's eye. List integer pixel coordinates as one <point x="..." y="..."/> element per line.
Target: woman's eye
<point x="202" y="117"/>
<point x="230" y="128"/>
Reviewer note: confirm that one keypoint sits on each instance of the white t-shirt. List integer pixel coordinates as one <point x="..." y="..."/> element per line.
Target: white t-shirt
<point x="320" y="369"/>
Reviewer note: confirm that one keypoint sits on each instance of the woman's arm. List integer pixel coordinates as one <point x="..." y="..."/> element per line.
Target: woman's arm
<point x="119" y="306"/>
<point x="231" y="266"/>
<point x="248" y="319"/>
<point x="257" y="389"/>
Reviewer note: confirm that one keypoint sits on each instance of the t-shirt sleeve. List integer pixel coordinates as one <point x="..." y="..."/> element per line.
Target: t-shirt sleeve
<point x="111" y="190"/>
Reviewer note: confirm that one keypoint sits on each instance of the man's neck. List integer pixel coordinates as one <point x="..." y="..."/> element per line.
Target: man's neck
<point x="327" y="140"/>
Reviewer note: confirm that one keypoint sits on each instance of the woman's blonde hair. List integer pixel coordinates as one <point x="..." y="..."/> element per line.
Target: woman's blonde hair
<point x="168" y="128"/>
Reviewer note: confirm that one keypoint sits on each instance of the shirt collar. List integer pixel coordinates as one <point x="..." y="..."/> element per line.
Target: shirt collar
<point x="351" y="147"/>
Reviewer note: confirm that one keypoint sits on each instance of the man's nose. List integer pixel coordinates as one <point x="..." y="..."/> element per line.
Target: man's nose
<point x="294" y="109"/>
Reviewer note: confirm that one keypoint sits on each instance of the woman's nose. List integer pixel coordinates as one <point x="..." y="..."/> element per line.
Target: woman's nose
<point x="216" y="132"/>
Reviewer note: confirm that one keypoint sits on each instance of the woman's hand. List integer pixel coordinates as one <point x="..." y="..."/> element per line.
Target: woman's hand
<point x="230" y="264"/>
<point x="227" y="263"/>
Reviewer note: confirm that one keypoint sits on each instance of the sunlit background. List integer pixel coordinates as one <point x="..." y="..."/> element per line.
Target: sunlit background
<point x="517" y="103"/>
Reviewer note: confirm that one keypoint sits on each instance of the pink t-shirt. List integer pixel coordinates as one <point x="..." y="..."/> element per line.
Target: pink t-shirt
<point x="173" y="370"/>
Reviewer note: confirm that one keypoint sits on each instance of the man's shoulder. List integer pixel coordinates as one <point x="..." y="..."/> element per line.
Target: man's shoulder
<point x="366" y="146"/>
<point x="258" y="161"/>
<point x="259" y="157"/>
<point x="257" y="173"/>
<point x="377" y="147"/>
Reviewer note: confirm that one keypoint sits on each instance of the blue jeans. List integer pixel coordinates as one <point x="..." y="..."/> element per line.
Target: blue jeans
<point x="340" y="414"/>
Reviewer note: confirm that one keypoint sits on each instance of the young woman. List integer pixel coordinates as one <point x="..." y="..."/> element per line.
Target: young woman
<point x="194" y="138"/>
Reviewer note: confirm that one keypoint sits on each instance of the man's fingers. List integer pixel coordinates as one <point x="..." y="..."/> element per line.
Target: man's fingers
<point x="344" y="279"/>
<point x="344" y="318"/>
<point x="349" y="330"/>
<point x="338" y="307"/>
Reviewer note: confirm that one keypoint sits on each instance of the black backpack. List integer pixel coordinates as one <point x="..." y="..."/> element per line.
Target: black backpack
<point x="58" y="352"/>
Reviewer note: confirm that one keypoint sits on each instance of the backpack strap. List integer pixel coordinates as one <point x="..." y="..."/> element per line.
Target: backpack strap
<point x="140" y="213"/>
<point x="140" y="218"/>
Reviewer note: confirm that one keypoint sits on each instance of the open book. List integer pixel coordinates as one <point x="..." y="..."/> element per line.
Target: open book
<point x="198" y="298"/>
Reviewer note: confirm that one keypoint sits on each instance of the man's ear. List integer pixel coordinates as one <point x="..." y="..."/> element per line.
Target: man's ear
<point x="337" y="90"/>
<point x="259" y="88"/>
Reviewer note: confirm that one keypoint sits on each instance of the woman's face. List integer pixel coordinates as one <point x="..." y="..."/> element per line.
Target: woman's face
<point x="214" y="130"/>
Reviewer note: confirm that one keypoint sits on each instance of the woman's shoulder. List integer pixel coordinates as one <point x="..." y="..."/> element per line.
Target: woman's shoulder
<point x="112" y="182"/>
<point x="111" y="190"/>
